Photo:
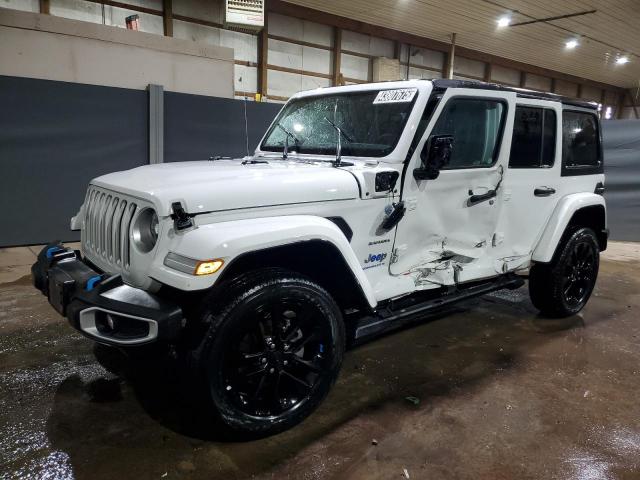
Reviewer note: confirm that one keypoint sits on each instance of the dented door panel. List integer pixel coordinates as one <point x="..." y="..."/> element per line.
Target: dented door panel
<point x="447" y="237"/>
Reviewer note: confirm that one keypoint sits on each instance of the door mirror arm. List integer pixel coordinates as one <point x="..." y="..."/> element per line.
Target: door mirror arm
<point x="435" y="155"/>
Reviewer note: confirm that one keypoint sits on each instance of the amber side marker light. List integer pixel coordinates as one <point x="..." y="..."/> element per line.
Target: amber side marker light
<point x="207" y="267"/>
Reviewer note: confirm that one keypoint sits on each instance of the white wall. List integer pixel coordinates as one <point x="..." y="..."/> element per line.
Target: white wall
<point x="53" y="48"/>
<point x="23" y="5"/>
<point x="537" y="82"/>
<point x="504" y="75"/>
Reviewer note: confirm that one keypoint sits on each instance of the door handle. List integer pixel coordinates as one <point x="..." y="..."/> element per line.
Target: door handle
<point x="544" y="191"/>
<point x="473" y="199"/>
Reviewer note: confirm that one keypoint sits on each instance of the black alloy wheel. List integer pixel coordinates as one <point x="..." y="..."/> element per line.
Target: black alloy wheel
<point x="562" y="287"/>
<point x="579" y="273"/>
<point x="275" y="360"/>
<point x="273" y="351"/>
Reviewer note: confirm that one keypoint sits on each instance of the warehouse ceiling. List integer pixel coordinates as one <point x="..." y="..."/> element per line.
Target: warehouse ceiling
<point x="603" y="37"/>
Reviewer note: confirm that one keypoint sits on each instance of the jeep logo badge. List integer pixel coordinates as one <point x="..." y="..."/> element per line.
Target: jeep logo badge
<point x="375" y="258"/>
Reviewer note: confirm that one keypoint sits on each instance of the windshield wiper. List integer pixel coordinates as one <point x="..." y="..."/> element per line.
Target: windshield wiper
<point x="341" y="133"/>
<point x="285" y="150"/>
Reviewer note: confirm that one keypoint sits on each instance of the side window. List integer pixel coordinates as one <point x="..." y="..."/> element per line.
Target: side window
<point x="476" y="126"/>
<point x="580" y="142"/>
<point x="534" y="138"/>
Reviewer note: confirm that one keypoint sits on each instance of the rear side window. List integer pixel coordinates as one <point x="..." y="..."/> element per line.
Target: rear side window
<point x="581" y="150"/>
<point x="534" y="138"/>
<point x="476" y="126"/>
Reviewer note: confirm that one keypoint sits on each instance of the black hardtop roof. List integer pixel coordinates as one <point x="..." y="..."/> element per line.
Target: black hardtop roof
<point x="443" y="84"/>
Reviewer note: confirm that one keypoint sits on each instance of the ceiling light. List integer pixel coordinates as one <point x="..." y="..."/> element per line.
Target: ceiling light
<point x="571" y="44"/>
<point x="622" y="60"/>
<point x="504" y="21"/>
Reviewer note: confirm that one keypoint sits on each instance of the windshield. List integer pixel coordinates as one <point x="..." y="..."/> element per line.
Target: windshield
<point x="371" y="122"/>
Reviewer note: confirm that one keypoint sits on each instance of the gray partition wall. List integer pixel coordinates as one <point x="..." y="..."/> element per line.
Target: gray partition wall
<point x="56" y="136"/>
<point x="197" y="127"/>
<point x="622" y="178"/>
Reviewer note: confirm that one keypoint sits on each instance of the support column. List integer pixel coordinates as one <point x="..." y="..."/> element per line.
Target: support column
<point x="263" y="57"/>
<point x="156" y="123"/>
<point x="451" y="58"/>
<point x="45" y="6"/>
<point x="620" y="107"/>
<point x="633" y="103"/>
<point x="487" y="72"/>
<point x="337" y="54"/>
<point x="167" y="17"/>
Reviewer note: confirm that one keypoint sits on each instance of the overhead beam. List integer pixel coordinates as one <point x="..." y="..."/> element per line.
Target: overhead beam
<point x="549" y="19"/>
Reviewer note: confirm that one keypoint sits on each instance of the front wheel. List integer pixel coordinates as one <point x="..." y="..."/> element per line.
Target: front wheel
<point x="272" y="353"/>
<point x="563" y="287"/>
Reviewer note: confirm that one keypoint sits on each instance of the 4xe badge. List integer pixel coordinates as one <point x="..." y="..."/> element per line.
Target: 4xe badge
<point x="375" y="260"/>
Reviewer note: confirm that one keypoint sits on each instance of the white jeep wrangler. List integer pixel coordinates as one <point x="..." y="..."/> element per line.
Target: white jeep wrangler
<point x="363" y="207"/>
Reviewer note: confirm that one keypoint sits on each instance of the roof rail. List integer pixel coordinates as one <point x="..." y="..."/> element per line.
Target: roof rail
<point x="443" y="84"/>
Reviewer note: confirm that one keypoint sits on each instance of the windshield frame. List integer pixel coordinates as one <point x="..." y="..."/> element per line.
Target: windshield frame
<point x="396" y="155"/>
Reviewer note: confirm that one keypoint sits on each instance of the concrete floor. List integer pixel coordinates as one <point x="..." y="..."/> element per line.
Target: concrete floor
<point x="502" y="394"/>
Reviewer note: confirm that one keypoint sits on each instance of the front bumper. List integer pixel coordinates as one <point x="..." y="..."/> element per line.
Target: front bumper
<point x="100" y="306"/>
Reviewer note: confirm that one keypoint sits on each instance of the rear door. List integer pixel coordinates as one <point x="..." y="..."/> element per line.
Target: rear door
<point x="532" y="184"/>
<point x="441" y="223"/>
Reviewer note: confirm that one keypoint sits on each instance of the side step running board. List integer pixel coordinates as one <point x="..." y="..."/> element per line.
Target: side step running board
<point x="387" y="319"/>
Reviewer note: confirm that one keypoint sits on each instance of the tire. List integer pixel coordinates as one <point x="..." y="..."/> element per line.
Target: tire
<point x="563" y="287"/>
<point x="272" y="351"/>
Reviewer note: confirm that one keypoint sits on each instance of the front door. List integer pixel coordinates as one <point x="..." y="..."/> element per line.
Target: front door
<point x="447" y="236"/>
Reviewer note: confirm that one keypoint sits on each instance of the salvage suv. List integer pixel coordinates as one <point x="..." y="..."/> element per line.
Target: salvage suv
<point x="362" y="208"/>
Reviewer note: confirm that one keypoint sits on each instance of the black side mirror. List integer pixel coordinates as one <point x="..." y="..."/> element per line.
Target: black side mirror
<point x="435" y="155"/>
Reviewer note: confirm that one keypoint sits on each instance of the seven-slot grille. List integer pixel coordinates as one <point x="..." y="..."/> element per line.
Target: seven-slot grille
<point x="107" y="223"/>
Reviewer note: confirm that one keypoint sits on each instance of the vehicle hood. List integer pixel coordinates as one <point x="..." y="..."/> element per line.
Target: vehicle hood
<point x="209" y="186"/>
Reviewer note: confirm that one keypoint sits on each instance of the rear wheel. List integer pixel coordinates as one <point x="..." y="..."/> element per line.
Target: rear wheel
<point x="272" y="352"/>
<point x="563" y="287"/>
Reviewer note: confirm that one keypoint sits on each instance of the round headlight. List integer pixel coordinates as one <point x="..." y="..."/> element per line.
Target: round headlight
<point x="145" y="230"/>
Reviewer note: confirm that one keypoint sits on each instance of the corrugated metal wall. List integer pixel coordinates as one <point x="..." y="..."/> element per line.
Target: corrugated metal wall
<point x="622" y="170"/>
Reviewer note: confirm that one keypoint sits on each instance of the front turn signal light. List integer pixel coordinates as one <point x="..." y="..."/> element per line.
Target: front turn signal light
<point x="207" y="267"/>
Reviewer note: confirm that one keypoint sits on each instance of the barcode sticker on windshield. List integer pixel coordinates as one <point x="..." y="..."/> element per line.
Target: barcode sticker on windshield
<point x="395" y="96"/>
